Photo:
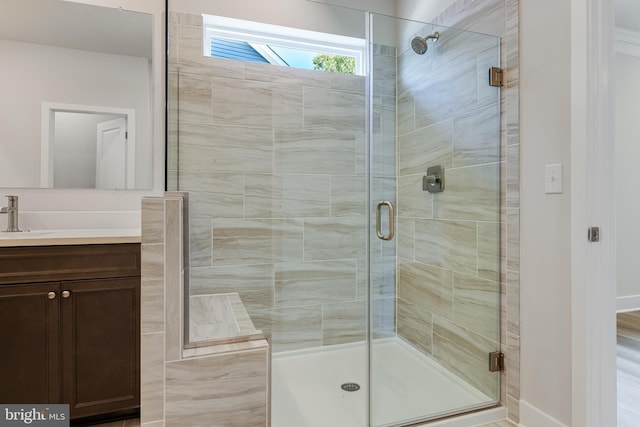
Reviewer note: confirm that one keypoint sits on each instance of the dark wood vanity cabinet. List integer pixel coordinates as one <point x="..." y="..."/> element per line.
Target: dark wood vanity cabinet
<point x="70" y="327"/>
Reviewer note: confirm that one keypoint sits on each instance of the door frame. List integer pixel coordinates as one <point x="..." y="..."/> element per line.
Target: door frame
<point x="593" y="288"/>
<point x="48" y="110"/>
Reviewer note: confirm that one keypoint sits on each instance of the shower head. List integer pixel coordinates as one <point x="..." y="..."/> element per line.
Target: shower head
<point x="419" y="44"/>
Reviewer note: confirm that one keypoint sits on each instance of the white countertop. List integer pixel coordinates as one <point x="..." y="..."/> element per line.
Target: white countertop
<point x="69" y="237"/>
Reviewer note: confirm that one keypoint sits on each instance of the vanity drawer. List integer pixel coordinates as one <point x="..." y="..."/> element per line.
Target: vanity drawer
<point x="72" y="262"/>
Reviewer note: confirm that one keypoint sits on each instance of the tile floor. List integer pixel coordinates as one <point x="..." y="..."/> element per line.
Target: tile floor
<point x="629" y="369"/>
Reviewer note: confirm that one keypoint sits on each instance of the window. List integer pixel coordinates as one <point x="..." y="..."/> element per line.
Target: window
<point x="256" y="42"/>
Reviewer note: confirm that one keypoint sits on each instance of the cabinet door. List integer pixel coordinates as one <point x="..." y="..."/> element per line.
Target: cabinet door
<point x="30" y="350"/>
<point x="100" y="345"/>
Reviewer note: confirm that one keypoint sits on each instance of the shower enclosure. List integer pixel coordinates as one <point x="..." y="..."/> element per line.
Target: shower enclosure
<point x="355" y="216"/>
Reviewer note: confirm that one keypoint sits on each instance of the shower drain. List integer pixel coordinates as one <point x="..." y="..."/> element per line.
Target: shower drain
<point x="350" y="387"/>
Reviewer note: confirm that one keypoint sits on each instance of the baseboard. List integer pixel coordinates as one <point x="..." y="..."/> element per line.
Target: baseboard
<point x="628" y="303"/>
<point x="530" y="416"/>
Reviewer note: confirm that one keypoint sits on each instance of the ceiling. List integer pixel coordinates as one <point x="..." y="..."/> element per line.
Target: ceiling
<point x="628" y="14"/>
<point x="77" y="26"/>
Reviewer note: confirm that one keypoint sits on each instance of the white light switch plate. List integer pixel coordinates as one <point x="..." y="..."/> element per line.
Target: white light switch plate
<point x="553" y="179"/>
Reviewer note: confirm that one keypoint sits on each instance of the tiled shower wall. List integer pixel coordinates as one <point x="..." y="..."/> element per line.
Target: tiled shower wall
<point x="274" y="161"/>
<point x="501" y="18"/>
<point x="449" y="242"/>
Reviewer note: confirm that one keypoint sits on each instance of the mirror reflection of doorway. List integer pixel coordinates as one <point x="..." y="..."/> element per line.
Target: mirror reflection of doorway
<point x="111" y="153"/>
<point x="87" y="147"/>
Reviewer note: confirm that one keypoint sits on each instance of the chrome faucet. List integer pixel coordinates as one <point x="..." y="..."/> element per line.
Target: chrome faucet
<point x="12" y="214"/>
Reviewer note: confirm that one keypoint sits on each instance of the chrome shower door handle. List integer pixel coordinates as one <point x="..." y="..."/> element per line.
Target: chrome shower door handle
<point x="390" y="234"/>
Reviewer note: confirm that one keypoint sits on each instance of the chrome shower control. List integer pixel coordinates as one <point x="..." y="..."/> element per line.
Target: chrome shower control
<point x="433" y="181"/>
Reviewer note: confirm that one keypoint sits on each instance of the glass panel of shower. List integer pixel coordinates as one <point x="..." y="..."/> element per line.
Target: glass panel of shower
<point x="294" y="175"/>
<point x="435" y="175"/>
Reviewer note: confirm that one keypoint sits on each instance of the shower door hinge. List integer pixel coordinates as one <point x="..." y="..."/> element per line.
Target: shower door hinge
<point x="496" y="76"/>
<point x="496" y="361"/>
<point x="593" y="234"/>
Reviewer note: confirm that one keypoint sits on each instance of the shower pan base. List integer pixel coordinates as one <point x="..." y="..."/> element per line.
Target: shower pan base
<point x="407" y="385"/>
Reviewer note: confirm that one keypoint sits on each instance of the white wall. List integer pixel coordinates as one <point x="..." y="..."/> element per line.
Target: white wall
<point x="627" y="178"/>
<point x="57" y="208"/>
<point x="545" y="223"/>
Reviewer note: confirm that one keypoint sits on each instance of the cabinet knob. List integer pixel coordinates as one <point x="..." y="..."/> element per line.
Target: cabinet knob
<point x="51" y="295"/>
<point x="65" y="294"/>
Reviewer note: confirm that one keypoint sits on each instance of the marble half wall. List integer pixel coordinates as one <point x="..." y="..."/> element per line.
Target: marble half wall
<point x="223" y="384"/>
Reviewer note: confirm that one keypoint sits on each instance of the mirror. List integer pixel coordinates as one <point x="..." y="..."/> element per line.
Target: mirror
<point x="76" y="105"/>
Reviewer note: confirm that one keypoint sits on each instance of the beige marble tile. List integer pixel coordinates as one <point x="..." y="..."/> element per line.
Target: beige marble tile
<point x="513" y="303"/>
<point x="489" y="250"/>
<point x="348" y="82"/>
<point x="447" y="244"/>
<point x="213" y="195"/>
<point x="406" y="239"/>
<point x="218" y="316"/>
<point x="513" y="176"/>
<point x="194" y="103"/>
<point x="476" y="305"/>
<point x="415" y="325"/>
<point x="383" y="277"/>
<point x="287" y="76"/>
<point x="476" y="137"/>
<point x="426" y="146"/>
<point x="333" y="110"/>
<point x="152" y="215"/>
<point x="174" y="286"/>
<point x="384" y="156"/>
<point x="152" y="290"/>
<point x="334" y="238"/>
<point x="513" y="409"/>
<point x="189" y="50"/>
<point x="218" y="390"/>
<point x="384" y="317"/>
<point x="185" y="18"/>
<point x="201" y="243"/>
<point x="512" y="362"/>
<point x="253" y="283"/>
<point x="307" y="152"/>
<point x="241" y="102"/>
<point x="291" y="328"/>
<point x="226" y="148"/>
<point x="471" y="193"/>
<point x="487" y="95"/>
<point x="287" y="196"/>
<point x="152" y="384"/>
<point x="406" y="113"/>
<point x="220" y="348"/>
<point x="413" y="202"/>
<point x="513" y="239"/>
<point x="486" y="18"/>
<point x="257" y="241"/>
<point x="466" y="354"/>
<point x="344" y="322"/>
<point x="449" y="92"/>
<point x="307" y="283"/>
<point x="384" y="75"/>
<point x="153" y="424"/>
<point x="348" y="196"/>
<point x="286" y="110"/>
<point x="427" y="287"/>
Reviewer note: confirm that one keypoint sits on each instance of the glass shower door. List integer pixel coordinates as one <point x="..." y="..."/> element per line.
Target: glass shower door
<point x="434" y="283"/>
